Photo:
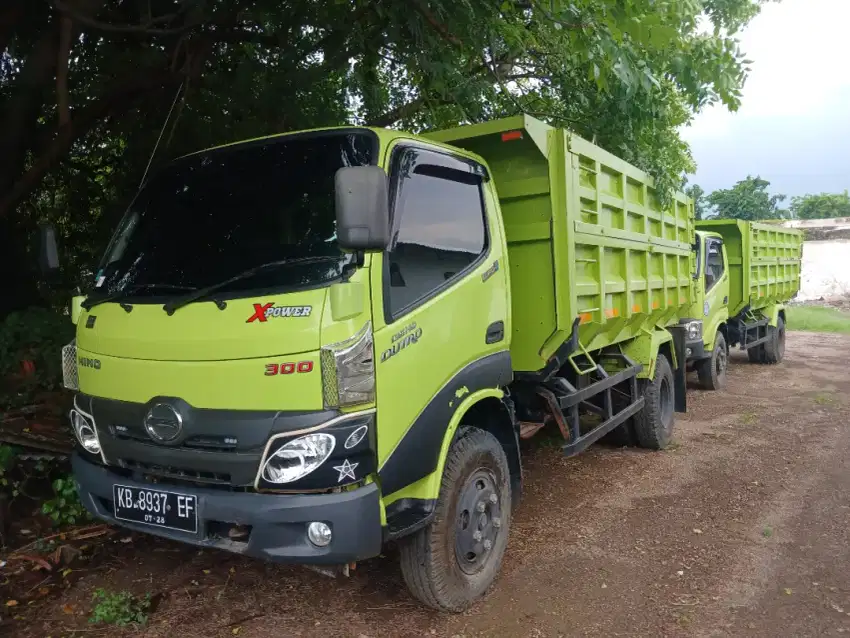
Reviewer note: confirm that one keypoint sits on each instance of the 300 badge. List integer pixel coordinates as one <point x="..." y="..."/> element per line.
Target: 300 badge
<point x="273" y="369"/>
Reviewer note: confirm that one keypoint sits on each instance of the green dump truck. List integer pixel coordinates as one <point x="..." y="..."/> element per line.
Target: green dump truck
<point x="304" y="346"/>
<point x="746" y="271"/>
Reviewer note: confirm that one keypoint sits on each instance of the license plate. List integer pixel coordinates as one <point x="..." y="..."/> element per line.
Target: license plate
<point x="155" y="507"/>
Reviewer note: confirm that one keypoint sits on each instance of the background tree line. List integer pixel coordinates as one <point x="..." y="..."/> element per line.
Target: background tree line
<point x="749" y="199"/>
<point x="86" y="85"/>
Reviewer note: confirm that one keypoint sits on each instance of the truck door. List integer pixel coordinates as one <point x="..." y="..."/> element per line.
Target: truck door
<point x="441" y="327"/>
<point x="716" y="288"/>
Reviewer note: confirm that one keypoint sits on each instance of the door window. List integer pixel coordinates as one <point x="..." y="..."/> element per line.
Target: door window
<point x="439" y="229"/>
<point x="713" y="262"/>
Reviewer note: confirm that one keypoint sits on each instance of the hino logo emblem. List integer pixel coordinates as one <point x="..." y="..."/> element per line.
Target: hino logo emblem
<point x="163" y="423"/>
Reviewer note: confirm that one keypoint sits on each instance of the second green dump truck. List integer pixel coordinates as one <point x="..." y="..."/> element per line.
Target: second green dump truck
<point x="745" y="272"/>
<point x="305" y="346"/>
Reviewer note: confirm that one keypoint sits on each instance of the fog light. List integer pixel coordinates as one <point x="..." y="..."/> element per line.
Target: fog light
<point x="85" y="432"/>
<point x="319" y="534"/>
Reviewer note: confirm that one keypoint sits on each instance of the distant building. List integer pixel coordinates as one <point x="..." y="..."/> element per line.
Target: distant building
<point x="826" y="258"/>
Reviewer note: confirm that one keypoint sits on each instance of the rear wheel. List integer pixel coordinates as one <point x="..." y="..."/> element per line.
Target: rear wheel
<point x="774" y="347"/>
<point x="653" y="425"/>
<point x="453" y="561"/>
<point x="712" y="371"/>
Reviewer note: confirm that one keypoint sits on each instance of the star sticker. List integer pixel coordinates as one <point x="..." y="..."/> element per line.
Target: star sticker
<point x="346" y="470"/>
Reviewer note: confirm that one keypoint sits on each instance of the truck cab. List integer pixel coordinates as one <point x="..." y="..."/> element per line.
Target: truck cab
<point x="744" y="272"/>
<point x="711" y="299"/>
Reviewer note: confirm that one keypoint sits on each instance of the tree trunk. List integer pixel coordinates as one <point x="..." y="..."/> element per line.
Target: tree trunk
<point x="25" y="105"/>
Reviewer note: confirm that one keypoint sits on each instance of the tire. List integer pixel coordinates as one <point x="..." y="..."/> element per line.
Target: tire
<point x="774" y="347"/>
<point x="654" y="423"/>
<point x="443" y="564"/>
<point x="712" y="371"/>
<point x="756" y="354"/>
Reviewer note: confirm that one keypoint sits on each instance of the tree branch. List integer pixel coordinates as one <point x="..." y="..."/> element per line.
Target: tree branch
<point x="66" y="27"/>
<point x="147" y="28"/>
<point x="399" y="113"/>
<point x="438" y="26"/>
<point x="118" y="101"/>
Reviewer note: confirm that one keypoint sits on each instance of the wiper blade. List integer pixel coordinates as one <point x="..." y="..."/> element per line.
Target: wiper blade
<point x="90" y="303"/>
<point x="172" y="306"/>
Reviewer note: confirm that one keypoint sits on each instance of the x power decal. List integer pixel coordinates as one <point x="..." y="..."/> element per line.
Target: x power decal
<point x="266" y="311"/>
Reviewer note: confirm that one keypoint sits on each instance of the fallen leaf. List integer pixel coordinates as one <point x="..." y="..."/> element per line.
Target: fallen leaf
<point x="235" y="631"/>
<point x="206" y="571"/>
<point x="65" y="572"/>
<point x="788" y="591"/>
<point x="67" y="609"/>
<point x="604" y="586"/>
<point x="11" y="603"/>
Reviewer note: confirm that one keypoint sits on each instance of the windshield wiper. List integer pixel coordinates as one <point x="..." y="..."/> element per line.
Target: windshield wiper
<point x="90" y="303"/>
<point x="172" y="306"/>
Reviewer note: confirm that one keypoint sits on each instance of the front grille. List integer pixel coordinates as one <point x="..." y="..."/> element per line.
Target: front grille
<point x="218" y="443"/>
<point x="176" y="473"/>
<point x="198" y="442"/>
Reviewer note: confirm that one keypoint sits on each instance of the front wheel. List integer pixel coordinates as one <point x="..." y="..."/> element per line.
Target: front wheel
<point x="712" y="371"/>
<point x="654" y="423"/>
<point x="452" y="562"/>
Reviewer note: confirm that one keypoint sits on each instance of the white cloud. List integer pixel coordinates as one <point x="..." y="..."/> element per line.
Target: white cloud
<point x="792" y="126"/>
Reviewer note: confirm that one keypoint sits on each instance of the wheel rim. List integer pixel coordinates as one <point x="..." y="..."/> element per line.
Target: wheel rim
<point x="720" y="363"/>
<point x="479" y="520"/>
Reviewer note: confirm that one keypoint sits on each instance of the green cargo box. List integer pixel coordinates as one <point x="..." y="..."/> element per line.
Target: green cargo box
<point x="588" y="242"/>
<point x="764" y="262"/>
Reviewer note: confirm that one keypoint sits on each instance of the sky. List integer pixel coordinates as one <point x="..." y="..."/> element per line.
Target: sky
<point x="793" y="127"/>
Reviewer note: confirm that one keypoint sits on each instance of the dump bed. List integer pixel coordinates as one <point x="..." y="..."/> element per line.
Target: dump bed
<point x="764" y="262"/>
<point x="588" y="243"/>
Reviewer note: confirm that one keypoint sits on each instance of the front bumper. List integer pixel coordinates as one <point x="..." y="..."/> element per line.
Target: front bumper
<point x="695" y="350"/>
<point x="278" y="522"/>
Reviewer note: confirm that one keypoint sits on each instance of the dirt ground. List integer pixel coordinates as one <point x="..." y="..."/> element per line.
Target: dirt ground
<point x="742" y="528"/>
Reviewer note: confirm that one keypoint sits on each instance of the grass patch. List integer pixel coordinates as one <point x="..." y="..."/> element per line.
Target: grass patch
<point x="825" y="399"/>
<point x="767" y="532"/>
<point x="749" y="418"/>
<point x="119" y="608"/>
<point x="817" y="319"/>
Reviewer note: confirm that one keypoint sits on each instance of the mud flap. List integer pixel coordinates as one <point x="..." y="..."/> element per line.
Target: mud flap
<point x="680" y="372"/>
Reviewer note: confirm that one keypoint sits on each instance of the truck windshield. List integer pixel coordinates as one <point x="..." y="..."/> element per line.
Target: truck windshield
<point x="213" y="215"/>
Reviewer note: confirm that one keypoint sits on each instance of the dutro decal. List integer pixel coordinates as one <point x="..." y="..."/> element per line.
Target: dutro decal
<point x="401" y="340"/>
<point x="265" y="311"/>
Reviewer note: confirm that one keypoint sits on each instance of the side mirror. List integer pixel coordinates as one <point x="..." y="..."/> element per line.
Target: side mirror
<point x="48" y="254"/>
<point x="362" y="208"/>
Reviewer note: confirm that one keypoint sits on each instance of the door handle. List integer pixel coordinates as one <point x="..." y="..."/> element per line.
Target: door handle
<point x="495" y="332"/>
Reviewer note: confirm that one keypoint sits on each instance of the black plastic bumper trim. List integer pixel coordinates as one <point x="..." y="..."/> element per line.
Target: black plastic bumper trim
<point x="278" y="523"/>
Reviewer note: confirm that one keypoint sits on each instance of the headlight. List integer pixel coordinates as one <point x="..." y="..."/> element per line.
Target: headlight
<point x="298" y="458"/>
<point x="85" y="432"/>
<point x="348" y="370"/>
<point x="694" y="329"/>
